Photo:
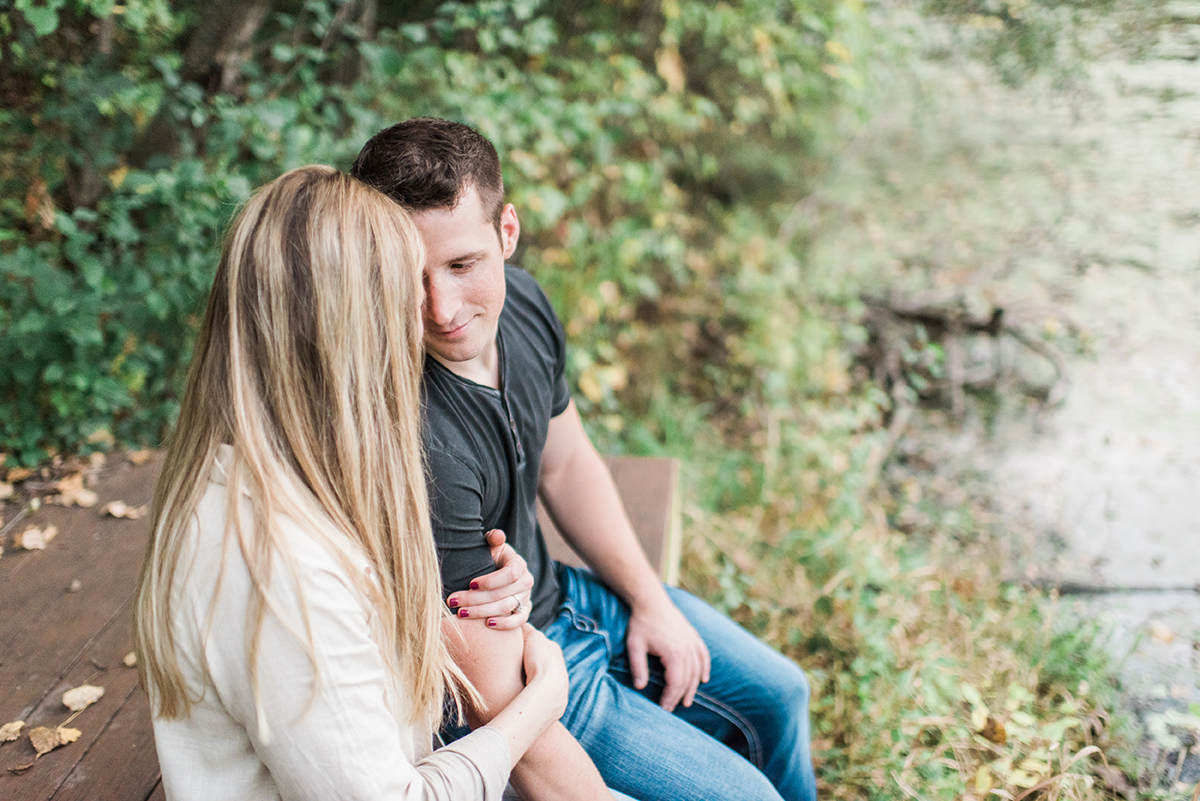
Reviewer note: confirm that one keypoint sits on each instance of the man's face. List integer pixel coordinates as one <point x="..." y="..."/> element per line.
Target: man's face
<point x="464" y="280"/>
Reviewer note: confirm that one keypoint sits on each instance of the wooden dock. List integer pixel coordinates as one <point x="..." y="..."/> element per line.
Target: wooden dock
<point x="65" y="616"/>
<point x="65" y="620"/>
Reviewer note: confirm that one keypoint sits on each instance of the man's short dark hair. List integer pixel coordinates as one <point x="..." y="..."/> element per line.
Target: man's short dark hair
<point x="427" y="163"/>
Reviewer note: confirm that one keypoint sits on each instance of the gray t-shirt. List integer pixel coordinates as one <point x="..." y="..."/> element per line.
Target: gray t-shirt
<point x="484" y="446"/>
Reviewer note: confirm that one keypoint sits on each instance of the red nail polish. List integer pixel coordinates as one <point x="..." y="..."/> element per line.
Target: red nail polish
<point x="463" y="613"/>
<point x="452" y="603"/>
<point x="492" y="623"/>
<point x="474" y="585"/>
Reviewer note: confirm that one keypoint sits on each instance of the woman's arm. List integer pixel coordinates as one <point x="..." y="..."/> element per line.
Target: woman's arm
<point x="342" y="731"/>
<point x="554" y="765"/>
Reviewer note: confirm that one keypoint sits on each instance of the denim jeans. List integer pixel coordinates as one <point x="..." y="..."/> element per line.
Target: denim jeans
<point x="745" y="735"/>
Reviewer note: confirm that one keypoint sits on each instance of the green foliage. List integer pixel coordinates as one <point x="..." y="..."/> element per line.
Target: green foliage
<point x="616" y="122"/>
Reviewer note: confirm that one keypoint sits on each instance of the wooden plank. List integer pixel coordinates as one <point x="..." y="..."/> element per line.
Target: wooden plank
<point x="31" y="581"/>
<point x="100" y="665"/>
<point x="52" y="639"/>
<point x="46" y="627"/>
<point x="122" y="764"/>
<point x="649" y="489"/>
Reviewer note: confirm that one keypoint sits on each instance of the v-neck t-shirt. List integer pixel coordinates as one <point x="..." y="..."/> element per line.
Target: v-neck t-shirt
<point x="483" y="446"/>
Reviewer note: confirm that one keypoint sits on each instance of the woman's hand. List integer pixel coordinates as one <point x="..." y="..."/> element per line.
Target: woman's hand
<point x="501" y="598"/>
<point x="545" y="671"/>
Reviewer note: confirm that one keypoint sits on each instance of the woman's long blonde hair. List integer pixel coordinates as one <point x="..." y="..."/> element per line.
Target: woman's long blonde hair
<point x="308" y="364"/>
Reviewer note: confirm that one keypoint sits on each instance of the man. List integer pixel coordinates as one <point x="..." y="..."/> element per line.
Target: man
<point x="716" y="714"/>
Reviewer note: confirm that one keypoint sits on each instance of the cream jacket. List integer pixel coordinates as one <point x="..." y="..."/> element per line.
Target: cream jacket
<point x="353" y="742"/>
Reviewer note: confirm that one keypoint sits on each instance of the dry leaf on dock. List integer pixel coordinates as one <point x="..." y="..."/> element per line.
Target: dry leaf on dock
<point x="122" y="509"/>
<point x="45" y="739"/>
<point x="11" y="731"/>
<point x="35" y="539"/>
<point x="82" y="697"/>
<point x="16" y="474"/>
<point x="71" y="492"/>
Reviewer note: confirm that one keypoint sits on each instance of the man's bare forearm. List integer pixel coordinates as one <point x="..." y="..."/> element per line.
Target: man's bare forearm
<point x="579" y="493"/>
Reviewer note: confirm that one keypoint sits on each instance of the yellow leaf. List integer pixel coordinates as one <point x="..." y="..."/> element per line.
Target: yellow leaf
<point x="82" y="697"/>
<point x="45" y="739"/>
<point x="589" y="385"/>
<point x="130" y="660"/>
<point x="6" y="490"/>
<point x="838" y="50"/>
<point x="670" y="68"/>
<point x="1020" y="778"/>
<point x="121" y="509"/>
<point x="35" y="539"/>
<point x="101" y="436"/>
<point x="139" y="457"/>
<point x="11" y="731"/>
<point x="16" y="474"/>
<point x="983" y="779"/>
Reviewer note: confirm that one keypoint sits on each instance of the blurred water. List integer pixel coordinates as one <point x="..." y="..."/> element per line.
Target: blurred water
<point x="1108" y="484"/>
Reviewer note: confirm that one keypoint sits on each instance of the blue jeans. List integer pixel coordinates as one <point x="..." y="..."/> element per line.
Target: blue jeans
<point x="745" y="735"/>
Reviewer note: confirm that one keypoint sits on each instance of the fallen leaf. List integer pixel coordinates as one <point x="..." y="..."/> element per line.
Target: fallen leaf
<point x="130" y="660"/>
<point x="994" y="731"/>
<point x="1161" y="632"/>
<point x="19" y="769"/>
<point x="71" y="492"/>
<point x="76" y="586"/>
<point x="140" y="457"/>
<point x="82" y="697"/>
<point x="35" y="539"/>
<point x="121" y="509"/>
<point x="16" y="474"/>
<point x="6" y="490"/>
<point x="11" y="731"/>
<point x="45" y="739"/>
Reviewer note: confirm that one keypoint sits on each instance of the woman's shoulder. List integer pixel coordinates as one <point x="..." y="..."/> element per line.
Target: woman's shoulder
<point x="221" y="553"/>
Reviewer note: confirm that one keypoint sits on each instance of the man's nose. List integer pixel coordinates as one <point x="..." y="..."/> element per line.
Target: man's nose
<point x="442" y="301"/>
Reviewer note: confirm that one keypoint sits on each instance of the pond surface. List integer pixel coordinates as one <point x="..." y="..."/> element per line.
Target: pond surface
<point x="1077" y="209"/>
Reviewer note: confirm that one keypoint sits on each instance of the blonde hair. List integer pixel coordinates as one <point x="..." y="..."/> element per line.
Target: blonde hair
<point x="308" y="363"/>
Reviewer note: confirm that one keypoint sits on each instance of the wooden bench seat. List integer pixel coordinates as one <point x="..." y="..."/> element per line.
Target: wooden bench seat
<point x="65" y="620"/>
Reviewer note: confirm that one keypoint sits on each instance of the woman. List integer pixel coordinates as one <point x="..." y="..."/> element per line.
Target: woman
<point x="289" y="617"/>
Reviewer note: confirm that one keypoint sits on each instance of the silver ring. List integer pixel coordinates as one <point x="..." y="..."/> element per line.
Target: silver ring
<point x="520" y="607"/>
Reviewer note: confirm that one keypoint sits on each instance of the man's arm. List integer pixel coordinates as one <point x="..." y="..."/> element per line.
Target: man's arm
<point x="580" y="496"/>
<point x="555" y="766"/>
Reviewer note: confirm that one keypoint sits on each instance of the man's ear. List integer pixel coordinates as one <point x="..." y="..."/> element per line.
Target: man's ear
<point x="510" y="230"/>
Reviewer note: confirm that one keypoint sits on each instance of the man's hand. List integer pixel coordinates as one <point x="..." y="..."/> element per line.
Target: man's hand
<point x="662" y="630"/>
<point x="501" y="598"/>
